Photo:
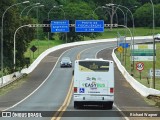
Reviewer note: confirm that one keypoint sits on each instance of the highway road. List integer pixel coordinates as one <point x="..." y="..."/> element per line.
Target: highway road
<point x="54" y="95"/>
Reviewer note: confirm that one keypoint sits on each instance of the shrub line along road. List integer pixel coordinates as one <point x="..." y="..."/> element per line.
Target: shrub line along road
<point x="51" y="94"/>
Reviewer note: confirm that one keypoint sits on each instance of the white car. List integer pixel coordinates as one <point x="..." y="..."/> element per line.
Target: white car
<point x="65" y="62"/>
<point x="157" y="37"/>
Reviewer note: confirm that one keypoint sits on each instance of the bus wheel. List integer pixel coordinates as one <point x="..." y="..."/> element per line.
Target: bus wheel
<point x="108" y="105"/>
<point x="76" y="105"/>
<point x="73" y="72"/>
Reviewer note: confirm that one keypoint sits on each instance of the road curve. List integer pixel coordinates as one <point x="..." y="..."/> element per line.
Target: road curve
<point x="51" y="95"/>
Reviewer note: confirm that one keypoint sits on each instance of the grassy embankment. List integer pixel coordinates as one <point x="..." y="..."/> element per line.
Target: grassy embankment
<point x="43" y="44"/>
<point x="145" y="79"/>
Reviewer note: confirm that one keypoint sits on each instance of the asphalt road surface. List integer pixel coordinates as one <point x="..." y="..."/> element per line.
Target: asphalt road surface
<point x="54" y="96"/>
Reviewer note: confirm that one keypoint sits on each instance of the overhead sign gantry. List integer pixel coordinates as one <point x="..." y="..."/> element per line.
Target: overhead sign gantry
<point x="89" y="26"/>
<point x="59" y="26"/>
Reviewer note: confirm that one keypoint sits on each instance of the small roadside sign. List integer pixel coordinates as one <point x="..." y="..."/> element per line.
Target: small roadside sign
<point x="139" y="66"/>
<point x="157" y="73"/>
<point x="33" y="48"/>
<point x="120" y="49"/>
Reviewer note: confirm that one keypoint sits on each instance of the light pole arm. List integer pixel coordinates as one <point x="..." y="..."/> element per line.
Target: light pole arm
<point x="110" y="13"/>
<point x="130" y="13"/>
<point x="8" y="9"/>
<point x="14" y="60"/>
<point x="123" y="13"/>
<point x="128" y="30"/>
<point x="30" y="10"/>
<point x="63" y="13"/>
<point x="2" y="22"/>
<point x="132" y="49"/>
<point x="50" y="12"/>
<point x="28" y="7"/>
<point x="107" y="10"/>
<point x="24" y="10"/>
<point x="95" y="10"/>
<point x="153" y="18"/>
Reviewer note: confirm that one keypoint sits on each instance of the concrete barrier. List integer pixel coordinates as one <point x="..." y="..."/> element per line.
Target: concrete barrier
<point x="143" y="90"/>
<point x="48" y="51"/>
<point x="10" y="78"/>
<point x="45" y="53"/>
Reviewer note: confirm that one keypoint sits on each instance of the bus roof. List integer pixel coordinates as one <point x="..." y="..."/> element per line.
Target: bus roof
<point x="94" y="59"/>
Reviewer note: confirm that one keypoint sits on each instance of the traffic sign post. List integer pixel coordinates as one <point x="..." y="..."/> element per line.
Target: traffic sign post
<point x="59" y="26"/>
<point x="124" y="45"/>
<point x="89" y="25"/>
<point x="140" y="67"/>
<point x="33" y="49"/>
<point x="120" y="49"/>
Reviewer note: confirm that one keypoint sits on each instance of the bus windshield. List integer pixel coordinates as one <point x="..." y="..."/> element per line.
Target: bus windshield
<point x="93" y="66"/>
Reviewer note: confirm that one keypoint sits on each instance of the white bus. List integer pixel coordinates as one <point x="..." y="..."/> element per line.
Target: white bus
<point x="94" y="83"/>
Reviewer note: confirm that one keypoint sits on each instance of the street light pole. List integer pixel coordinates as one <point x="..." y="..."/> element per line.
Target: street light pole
<point x="124" y="52"/>
<point x="123" y="14"/>
<point x="14" y="60"/>
<point x="110" y="18"/>
<point x="32" y="8"/>
<point x="64" y="18"/>
<point x="127" y="12"/>
<point x="127" y="29"/>
<point x="37" y="19"/>
<point x="132" y="39"/>
<point x="110" y="13"/>
<point x="60" y="7"/>
<point x="2" y="36"/>
<point x="95" y="10"/>
<point x="48" y="20"/>
<point x="27" y="7"/>
<point x="110" y="4"/>
<point x="37" y="29"/>
<point x="153" y="45"/>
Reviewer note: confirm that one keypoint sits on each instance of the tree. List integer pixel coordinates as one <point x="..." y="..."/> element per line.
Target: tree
<point x="143" y="15"/>
<point x="78" y="10"/>
<point x="23" y="38"/>
<point x="157" y="15"/>
<point x="11" y="23"/>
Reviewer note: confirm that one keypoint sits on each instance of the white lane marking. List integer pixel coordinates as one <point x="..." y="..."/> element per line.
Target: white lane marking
<point x="40" y="84"/>
<point x="126" y="118"/>
<point x="103" y="49"/>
